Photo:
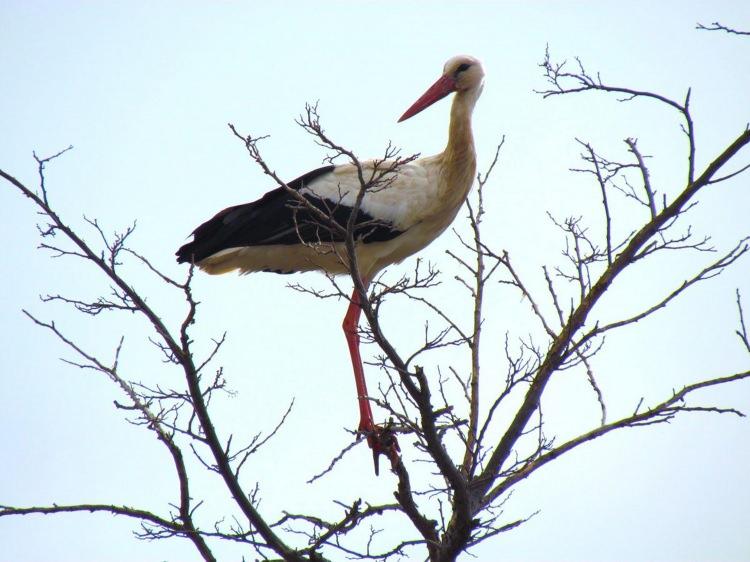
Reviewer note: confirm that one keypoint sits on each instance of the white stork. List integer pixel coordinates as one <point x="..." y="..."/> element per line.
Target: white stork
<point x="276" y="233"/>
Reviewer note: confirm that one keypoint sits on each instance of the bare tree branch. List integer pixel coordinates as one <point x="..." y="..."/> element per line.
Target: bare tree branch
<point x="716" y="26"/>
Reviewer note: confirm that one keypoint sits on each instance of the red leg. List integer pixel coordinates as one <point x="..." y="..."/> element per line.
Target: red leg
<point x="351" y="322"/>
<point x="381" y="440"/>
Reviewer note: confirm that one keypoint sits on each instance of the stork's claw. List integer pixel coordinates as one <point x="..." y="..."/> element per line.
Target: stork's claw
<point x="382" y="441"/>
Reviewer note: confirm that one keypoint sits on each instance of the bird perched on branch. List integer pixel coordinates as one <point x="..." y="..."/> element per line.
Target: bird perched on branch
<point x="303" y="225"/>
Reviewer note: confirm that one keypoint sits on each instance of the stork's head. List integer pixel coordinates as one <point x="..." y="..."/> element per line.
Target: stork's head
<point x="461" y="73"/>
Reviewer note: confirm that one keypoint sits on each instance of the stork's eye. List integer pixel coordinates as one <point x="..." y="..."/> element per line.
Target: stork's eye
<point x="464" y="66"/>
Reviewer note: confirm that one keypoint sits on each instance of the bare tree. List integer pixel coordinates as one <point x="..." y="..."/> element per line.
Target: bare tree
<point x="480" y="442"/>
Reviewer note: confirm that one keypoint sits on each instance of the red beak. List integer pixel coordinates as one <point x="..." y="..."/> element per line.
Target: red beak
<point x="444" y="86"/>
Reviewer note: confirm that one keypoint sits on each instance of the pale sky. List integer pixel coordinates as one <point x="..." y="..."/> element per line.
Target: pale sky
<point x="144" y="92"/>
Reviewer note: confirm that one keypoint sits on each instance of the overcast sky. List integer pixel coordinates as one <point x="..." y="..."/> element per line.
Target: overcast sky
<point x="144" y="92"/>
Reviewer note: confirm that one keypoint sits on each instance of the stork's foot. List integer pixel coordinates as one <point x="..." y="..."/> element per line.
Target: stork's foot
<point x="382" y="441"/>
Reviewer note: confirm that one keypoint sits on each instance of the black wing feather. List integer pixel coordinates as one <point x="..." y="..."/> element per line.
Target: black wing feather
<point x="278" y="218"/>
